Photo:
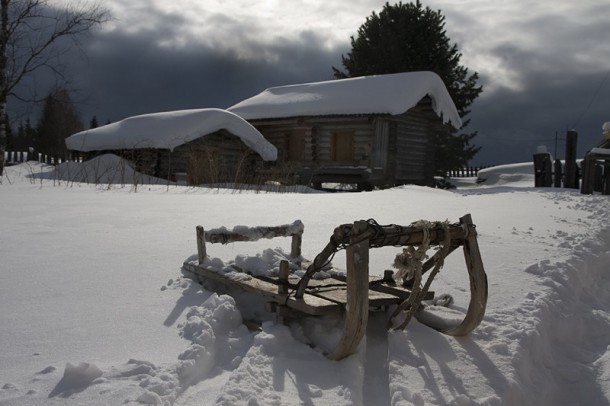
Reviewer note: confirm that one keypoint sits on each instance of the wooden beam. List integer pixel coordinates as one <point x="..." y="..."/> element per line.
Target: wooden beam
<point x="295" y="247"/>
<point x="224" y="236"/>
<point x="283" y="277"/>
<point x="201" y="251"/>
<point x="357" y="314"/>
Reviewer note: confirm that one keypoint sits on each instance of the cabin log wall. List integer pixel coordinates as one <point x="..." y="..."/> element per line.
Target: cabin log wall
<point x="407" y="157"/>
<point x="414" y="152"/>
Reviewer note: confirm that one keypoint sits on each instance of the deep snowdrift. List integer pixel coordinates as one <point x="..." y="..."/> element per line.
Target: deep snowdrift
<point x="95" y="309"/>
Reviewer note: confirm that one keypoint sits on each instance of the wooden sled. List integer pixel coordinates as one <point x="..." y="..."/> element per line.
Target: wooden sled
<point x="355" y="293"/>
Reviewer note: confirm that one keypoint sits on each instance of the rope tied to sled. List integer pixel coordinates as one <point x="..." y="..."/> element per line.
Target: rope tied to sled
<point x="410" y="264"/>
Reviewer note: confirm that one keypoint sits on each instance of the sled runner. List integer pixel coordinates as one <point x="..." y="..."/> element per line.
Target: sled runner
<point x="297" y="289"/>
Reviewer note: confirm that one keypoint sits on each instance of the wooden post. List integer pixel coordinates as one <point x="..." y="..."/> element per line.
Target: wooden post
<point x="295" y="248"/>
<point x="598" y="178"/>
<point x="201" y="251"/>
<point x="283" y="277"/>
<point x="588" y="175"/>
<point x="558" y="173"/>
<point x="571" y="168"/>
<point x="606" y="188"/>
<point x="542" y="169"/>
<point x="357" y="314"/>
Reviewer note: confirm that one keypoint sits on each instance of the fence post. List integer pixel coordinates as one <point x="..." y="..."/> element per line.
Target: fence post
<point x="588" y="178"/>
<point x="606" y="183"/>
<point x="558" y="173"/>
<point x="571" y="170"/>
<point x="542" y="169"/>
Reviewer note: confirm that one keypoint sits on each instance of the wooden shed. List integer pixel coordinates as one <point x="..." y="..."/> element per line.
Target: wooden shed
<point x="197" y="146"/>
<point x="374" y="131"/>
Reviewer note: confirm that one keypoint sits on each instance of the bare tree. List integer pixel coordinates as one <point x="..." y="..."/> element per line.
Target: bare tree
<point x="31" y="33"/>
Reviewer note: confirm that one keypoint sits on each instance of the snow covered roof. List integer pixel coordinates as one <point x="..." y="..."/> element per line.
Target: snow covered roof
<point x="168" y="130"/>
<point x="390" y="94"/>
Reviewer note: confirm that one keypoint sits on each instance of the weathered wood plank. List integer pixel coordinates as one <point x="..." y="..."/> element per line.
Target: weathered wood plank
<point x="308" y="304"/>
<point x="336" y="290"/>
<point x="283" y="277"/>
<point x="377" y="286"/>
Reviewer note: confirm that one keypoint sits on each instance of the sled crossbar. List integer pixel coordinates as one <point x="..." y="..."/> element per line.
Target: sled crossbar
<point x="241" y="233"/>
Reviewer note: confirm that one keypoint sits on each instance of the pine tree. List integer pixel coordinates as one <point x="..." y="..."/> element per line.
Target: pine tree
<point x="408" y="38"/>
<point x="93" y="123"/>
<point x="11" y="143"/>
<point x="59" y="120"/>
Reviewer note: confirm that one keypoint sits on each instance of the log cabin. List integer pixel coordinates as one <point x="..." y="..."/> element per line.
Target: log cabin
<point x="374" y="131"/>
<point x="202" y="146"/>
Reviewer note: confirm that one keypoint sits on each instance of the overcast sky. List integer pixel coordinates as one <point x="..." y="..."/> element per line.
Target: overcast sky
<point x="544" y="66"/>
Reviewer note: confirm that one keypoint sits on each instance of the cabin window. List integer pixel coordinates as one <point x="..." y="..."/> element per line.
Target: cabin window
<point x="342" y="146"/>
<point x="295" y="147"/>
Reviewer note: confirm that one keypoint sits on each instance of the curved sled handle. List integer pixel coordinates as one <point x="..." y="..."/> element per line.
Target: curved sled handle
<point x="478" y="286"/>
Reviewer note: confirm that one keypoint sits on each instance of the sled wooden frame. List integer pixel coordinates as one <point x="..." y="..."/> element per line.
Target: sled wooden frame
<point x="354" y="295"/>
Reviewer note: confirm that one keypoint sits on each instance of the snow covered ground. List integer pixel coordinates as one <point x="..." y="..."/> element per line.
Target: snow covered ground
<point x="95" y="309"/>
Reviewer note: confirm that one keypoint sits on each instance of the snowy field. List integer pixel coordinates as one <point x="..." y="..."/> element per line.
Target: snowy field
<point x="96" y="311"/>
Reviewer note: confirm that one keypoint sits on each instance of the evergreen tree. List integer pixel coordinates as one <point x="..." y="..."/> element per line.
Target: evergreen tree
<point x="59" y="120"/>
<point x="93" y="123"/>
<point x="408" y="38"/>
<point x="23" y="138"/>
<point x="10" y="137"/>
<point x="30" y="139"/>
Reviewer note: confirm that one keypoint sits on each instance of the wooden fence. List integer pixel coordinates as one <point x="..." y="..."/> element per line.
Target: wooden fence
<point x="466" y="172"/>
<point x="17" y="157"/>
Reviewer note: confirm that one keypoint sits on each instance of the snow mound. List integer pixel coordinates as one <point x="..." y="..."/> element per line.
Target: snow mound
<point x="104" y="169"/>
<point x="218" y="341"/>
<point x="76" y="379"/>
<point x="218" y="338"/>
<point x="266" y="264"/>
<point x="516" y="175"/>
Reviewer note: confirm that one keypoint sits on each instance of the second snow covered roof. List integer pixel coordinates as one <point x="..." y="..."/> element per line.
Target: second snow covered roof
<point x="382" y="94"/>
<point x="168" y="130"/>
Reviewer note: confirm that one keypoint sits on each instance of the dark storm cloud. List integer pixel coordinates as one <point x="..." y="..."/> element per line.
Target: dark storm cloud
<point x="126" y="75"/>
<point x="555" y="91"/>
<point x="549" y="73"/>
<point x="513" y="123"/>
